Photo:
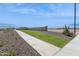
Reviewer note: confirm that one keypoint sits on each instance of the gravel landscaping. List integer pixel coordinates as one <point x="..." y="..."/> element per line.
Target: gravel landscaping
<point x="11" y="44"/>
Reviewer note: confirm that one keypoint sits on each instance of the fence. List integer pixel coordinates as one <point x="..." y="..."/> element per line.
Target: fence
<point x="44" y="28"/>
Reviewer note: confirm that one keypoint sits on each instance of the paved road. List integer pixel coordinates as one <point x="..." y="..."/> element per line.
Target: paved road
<point x="43" y="48"/>
<point x="71" y="49"/>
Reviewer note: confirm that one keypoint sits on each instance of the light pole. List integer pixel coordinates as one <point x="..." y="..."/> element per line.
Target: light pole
<point x="74" y="19"/>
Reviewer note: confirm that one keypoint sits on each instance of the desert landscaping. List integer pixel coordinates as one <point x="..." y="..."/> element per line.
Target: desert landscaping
<point x="11" y="44"/>
<point x="25" y="41"/>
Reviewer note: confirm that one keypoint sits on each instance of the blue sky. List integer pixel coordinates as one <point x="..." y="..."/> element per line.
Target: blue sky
<point x="33" y="15"/>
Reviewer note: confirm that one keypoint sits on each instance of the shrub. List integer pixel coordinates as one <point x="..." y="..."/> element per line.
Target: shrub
<point x="1" y="44"/>
<point x="9" y="53"/>
<point x="22" y="28"/>
<point x="67" y="32"/>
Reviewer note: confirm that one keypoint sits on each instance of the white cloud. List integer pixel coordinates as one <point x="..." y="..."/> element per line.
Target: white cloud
<point x="56" y="8"/>
<point x="22" y="10"/>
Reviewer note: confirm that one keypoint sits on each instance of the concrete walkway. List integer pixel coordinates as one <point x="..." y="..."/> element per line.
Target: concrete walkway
<point x="71" y="49"/>
<point x="43" y="48"/>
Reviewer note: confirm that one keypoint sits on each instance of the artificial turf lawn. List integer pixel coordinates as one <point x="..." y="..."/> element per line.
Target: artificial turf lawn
<point x="57" y="41"/>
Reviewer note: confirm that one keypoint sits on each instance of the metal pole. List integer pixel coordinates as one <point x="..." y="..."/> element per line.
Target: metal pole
<point x="74" y="19"/>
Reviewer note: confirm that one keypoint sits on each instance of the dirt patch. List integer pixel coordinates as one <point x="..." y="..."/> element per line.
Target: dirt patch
<point x="11" y="44"/>
<point x="59" y="35"/>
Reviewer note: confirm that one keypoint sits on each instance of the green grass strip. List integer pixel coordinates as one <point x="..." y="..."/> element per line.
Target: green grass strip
<point x="55" y="40"/>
